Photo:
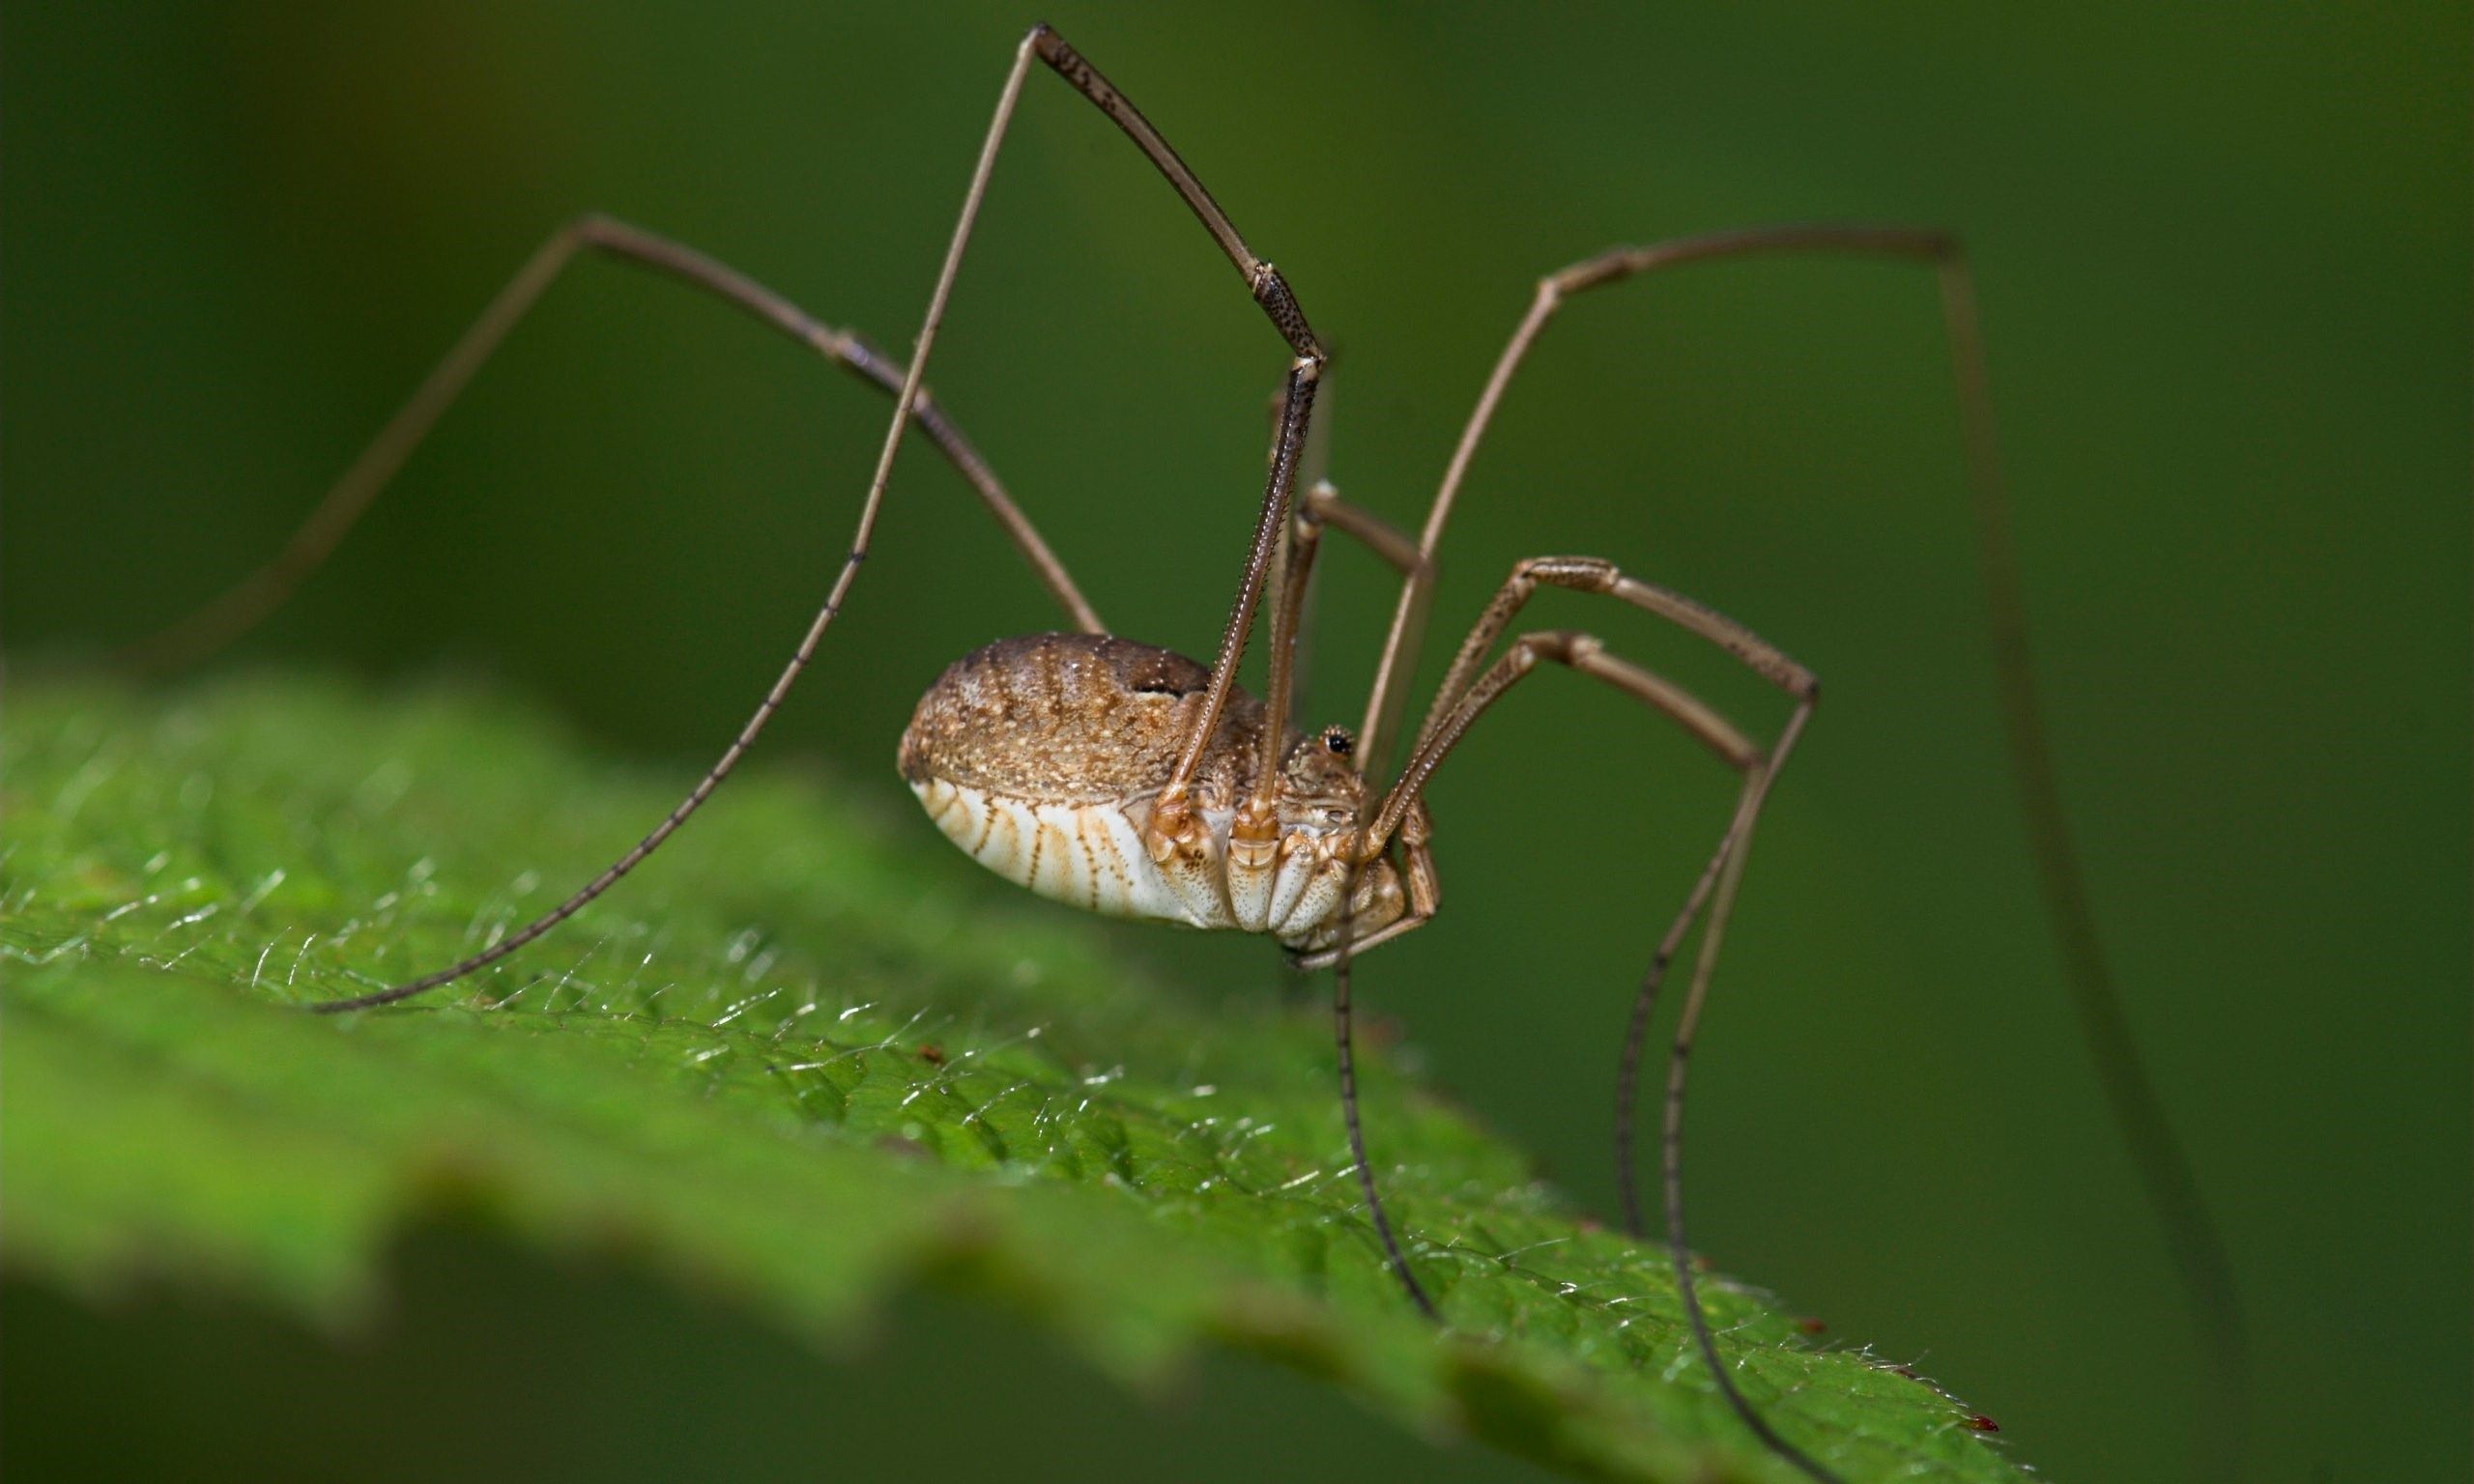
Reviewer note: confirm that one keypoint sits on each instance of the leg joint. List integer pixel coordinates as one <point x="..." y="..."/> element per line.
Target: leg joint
<point x="596" y="227"/>
<point x="1583" y="573"/>
<point x="1565" y="646"/>
<point x="1280" y="301"/>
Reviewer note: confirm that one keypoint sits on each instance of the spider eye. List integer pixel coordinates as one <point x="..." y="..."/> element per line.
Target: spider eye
<point x="1339" y="743"/>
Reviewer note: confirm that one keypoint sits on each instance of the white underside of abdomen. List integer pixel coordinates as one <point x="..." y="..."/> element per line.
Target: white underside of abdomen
<point x="1085" y="855"/>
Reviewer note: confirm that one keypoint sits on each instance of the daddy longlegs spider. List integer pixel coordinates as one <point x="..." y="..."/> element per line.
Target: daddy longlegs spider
<point x="1130" y="779"/>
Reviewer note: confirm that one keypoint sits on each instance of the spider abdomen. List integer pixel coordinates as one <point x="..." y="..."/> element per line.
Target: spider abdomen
<point x="1068" y="719"/>
<point x="1043" y="757"/>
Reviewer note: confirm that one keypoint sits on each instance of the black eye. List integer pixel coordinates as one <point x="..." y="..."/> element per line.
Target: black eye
<point x="1338" y="743"/>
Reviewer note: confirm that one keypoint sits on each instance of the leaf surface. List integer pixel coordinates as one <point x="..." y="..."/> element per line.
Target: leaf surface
<point x="795" y="1061"/>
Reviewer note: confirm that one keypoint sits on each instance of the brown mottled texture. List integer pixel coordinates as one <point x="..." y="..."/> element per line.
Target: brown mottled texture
<point x="1092" y="719"/>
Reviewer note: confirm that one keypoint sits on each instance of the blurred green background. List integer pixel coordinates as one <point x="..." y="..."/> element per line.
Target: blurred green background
<point x="2223" y="261"/>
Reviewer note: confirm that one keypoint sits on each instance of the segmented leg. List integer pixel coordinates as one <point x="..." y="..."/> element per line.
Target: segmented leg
<point x="905" y="404"/>
<point x="1322" y="506"/>
<point x="1176" y="827"/>
<point x="1410" y="614"/>
<point x="1467" y="693"/>
<point x="1728" y="864"/>
<point x="1343" y="1042"/>
<point x="247" y="602"/>
<point x="1587" y="654"/>
<point x="2165" y="1169"/>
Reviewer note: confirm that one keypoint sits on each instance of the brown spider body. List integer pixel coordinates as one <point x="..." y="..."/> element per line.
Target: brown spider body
<point x="1045" y="759"/>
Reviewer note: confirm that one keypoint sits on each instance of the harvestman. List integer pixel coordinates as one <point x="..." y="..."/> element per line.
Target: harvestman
<point x="1133" y="781"/>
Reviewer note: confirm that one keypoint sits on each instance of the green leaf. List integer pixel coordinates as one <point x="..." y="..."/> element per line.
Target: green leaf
<point x="797" y="1061"/>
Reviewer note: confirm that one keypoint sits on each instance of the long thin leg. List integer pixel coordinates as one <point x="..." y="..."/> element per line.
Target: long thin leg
<point x="2165" y="1167"/>
<point x="1467" y="695"/>
<point x="1410" y="614"/>
<point x="1321" y="507"/>
<point x="1325" y="507"/>
<point x="1636" y="1029"/>
<point x="1176" y="826"/>
<point x="1385" y="539"/>
<point x="242" y="607"/>
<point x="1404" y="809"/>
<point x="1344" y="1041"/>
<point x="904" y="404"/>
<point x="1591" y="574"/>
<point x="1464" y="696"/>
<point x="1733" y="853"/>
<point x="1588" y="574"/>
<point x="1725" y="868"/>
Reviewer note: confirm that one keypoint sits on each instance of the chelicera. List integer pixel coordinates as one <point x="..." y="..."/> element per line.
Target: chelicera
<point x="1126" y="779"/>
